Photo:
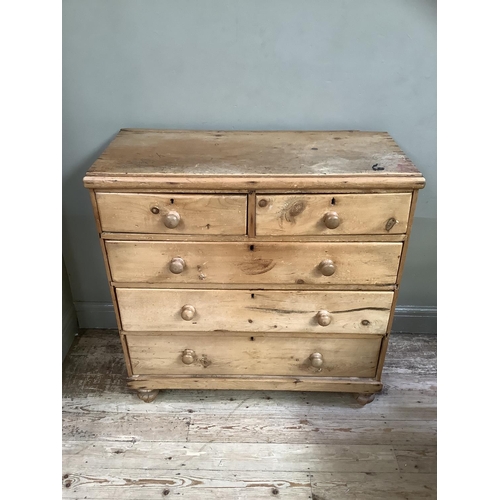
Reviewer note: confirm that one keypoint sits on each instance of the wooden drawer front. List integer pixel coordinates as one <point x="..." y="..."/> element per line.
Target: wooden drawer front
<point x="350" y="214"/>
<point x="259" y="262"/>
<point x="252" y="355"/>
<point x="197" y="214"/>
<point x="253" y="311"/>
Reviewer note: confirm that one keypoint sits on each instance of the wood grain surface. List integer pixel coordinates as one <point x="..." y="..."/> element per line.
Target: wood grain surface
<point x="254" y="262"/>
<point x="239" y="153"/>
<point x="199" y="214"/>
<point x="247" y="444"/>
<point x="304" y="214"/>
<point x="253" y="311"/>
<point x="263" y="355"/>
<point x="211" y="160"/>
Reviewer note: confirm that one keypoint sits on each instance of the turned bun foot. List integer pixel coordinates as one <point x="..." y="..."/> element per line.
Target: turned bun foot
<point x="364" y="399"/>
<point x="147" y="395"/>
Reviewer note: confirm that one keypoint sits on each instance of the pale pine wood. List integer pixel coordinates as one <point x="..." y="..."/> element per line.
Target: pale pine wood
<point x="230" y="456"/>
<point x="199" y="214"/>
<point x="378" y="486"/>
<point x="288" y="336"/>
<point x="198" y="238"/>
<point x="254" y="262"/>
<point x="416" y="459"/>
<point x="253" y="311"/>
<point x="385" y="342"/>
<point x="125" y="425"/>
<point x="148" y="395"/>
<point x="241" y="153"/>
<point x="86" y="393"/>
<point x="269" y="355"/>
<point x="358" y="214"/>
<point x="413" y="207"/>
<point x="126" y="354"/>
<point x="262" y="286"/>
<point x="287" y="429"/>
<point x="251" y="214"/>
<point x="287" y="184"/>
<point x="97" y="217"/>
<point x="95" y="210"/>
<point x="130" y="484"/>
<point x="257" y="383"/>
<point x="244" y="428"/>
<point x="199" y="485"/>
<point x="365" y="398"/>
<point x="383" y="350"/>
<point x="310" y="212"/>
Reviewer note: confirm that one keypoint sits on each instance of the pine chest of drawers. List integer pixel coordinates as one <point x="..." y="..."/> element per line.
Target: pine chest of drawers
<point x="254" y="260"/>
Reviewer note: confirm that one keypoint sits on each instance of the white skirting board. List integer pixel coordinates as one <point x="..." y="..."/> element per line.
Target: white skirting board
<point x="415" y="319"/>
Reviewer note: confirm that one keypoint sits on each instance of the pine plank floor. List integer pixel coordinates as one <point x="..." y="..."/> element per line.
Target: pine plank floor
<point x="247" y="444"/>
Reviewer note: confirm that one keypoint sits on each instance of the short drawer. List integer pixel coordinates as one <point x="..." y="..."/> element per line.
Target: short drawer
<point x="252" y="355"/>
<point x="358" y="263"/>
<point x="330" y="214"/>
<point x="204" y="310"/>
<point x="172" y="213"/>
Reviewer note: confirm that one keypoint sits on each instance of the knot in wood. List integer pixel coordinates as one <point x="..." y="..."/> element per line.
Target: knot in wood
<point x="297" y="208"/>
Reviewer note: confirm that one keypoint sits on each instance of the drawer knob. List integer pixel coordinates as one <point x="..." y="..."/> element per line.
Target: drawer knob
<point x="188" y="312"/>
<point x="188" y="356"/>
<point x="331" y="220"/>
<point x="172" y="219"/>
<point x="316" y="359"/>
<point x="327" y="267"/>
<point x="324" y="318"/>
<point x="177" y="265"/>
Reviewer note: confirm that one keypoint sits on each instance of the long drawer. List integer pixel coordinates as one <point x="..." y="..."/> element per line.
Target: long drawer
<point x="330" y="214"/>
<point x="188" y="310"/>
<point x="258" y="262"/>
<point x="199" y="214"/>
<point x="252" y="355"/>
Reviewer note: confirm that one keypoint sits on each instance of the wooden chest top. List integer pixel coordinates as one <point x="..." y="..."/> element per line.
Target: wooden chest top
<point x="260" y="160"/>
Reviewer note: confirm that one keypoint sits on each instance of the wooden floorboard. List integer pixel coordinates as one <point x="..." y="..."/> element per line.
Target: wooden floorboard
<point x="96" y="483"/>
<point x="247" y="444"/>
<point x="356" y="486"/>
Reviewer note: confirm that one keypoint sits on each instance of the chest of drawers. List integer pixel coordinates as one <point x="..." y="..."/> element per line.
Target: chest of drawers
<point x="254" y="260"/>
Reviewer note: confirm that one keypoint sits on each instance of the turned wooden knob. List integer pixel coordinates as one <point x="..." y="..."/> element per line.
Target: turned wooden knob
<point x="331" y="220"/>
<point x="188" y="312"/>
<point x="316" y="359"/>
<point x="172" y="219"/>
<point x="177" y="265"/>
<point x="188" y="356"/>
<point x="327" y="267"/>
<point x="324" y="318"/>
